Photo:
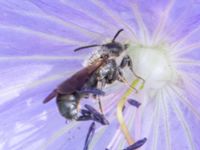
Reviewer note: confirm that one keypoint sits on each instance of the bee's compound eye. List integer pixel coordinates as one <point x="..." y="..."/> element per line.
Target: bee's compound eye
<point x="126" y="46"/>
<point x="115" y="52"/>
<point x="104" y="56"/>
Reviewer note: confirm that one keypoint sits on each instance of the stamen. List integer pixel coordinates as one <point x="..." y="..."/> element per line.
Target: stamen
<point x="86" y="115"/>
<point x="89" y="136"/>
<point x="84" y="118"/>
<point x="96" y="116"/>
<point x="136" y="145"/>
<point x="134" y="102"/>
<point x="85" y="112"/>
<point x="120" y="115"/>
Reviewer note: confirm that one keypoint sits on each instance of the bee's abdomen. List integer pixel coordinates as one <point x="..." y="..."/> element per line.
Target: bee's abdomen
<point x="67" y="105"/>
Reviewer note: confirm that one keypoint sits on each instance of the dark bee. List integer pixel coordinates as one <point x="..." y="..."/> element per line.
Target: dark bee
<point x="90" y="80"/>
<point x="110" y="71"/>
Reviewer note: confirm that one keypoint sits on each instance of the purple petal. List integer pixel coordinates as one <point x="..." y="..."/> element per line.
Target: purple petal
<point x="37" y="39"/>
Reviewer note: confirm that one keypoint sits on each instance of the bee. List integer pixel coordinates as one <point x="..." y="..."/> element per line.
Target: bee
<point x="91" y="79"/>
<point x="111" y="71"/>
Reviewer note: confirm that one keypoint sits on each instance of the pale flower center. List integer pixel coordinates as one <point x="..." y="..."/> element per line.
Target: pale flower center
<point x="153" y="65"/>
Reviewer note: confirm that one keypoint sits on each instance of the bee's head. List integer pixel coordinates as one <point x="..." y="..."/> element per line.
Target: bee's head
<point x="115" y="48"/>
<point x="126" y="46"/>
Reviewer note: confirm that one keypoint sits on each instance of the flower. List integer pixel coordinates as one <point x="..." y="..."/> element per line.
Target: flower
<point x="37" y="41"/>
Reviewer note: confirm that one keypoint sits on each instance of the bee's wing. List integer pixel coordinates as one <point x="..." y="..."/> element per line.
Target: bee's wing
<point x="76" y="81"/>
<point x="50" y="96"/>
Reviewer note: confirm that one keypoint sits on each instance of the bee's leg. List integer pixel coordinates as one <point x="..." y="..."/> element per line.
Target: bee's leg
<point x="100" y="105"/>
<point x="127" y="61"/>
<point x="94" y="91"/>
<point x="121" y="78"/>
<point x="90" y="87"/>
<point x="100" y="84"/>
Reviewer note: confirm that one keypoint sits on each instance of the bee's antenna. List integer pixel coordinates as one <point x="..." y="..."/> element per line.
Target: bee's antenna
<point x="113" y="40"/>
<point x="83" y="47"/>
